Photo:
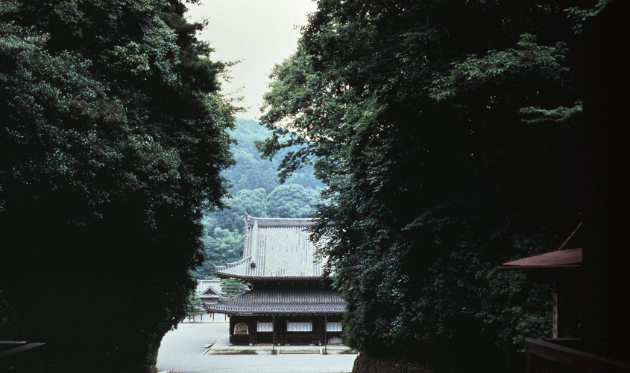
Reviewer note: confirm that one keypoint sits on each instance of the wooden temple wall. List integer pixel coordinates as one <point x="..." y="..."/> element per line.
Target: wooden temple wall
<point x="243" y="330"/>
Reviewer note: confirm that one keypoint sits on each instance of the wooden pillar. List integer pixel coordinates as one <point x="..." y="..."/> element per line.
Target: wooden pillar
<point x="252" y="331"/>
<point x="555" y="314"/>
<point x="325" y="334"/>
<point x="273" y="335"/>
<point x="231" y="331"/>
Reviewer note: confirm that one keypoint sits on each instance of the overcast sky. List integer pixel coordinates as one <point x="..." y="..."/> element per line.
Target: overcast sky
<point x="261" y="33"/>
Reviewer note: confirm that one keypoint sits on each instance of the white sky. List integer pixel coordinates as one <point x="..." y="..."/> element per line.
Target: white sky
<point x="261" y="33"/>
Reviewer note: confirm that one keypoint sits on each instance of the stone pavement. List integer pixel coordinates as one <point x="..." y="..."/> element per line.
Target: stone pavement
<point x="207" y="317"/>
<point x="182" y="351"/>
<point x="222" y="347"/>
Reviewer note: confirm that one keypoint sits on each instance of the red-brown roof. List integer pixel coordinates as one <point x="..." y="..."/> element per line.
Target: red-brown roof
<point x="570" y="259"/>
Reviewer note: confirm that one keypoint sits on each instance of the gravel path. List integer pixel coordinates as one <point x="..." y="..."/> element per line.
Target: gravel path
<point x="182" y="352"/>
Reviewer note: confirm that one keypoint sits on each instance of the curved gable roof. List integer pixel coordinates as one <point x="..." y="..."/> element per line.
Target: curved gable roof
<point x="209" y="287"/>
<point x="275" y="249"/>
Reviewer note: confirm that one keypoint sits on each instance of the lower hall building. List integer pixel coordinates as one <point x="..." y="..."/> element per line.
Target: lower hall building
<point x="286" y="303"/>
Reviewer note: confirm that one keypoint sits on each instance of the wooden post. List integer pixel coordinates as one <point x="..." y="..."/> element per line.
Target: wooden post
<point x="325" y="334"/>
<point x="528" y="360"/>
<point x="273" y="335"/>
<point x="252" y="338"/>
<point x="555" y="314"/>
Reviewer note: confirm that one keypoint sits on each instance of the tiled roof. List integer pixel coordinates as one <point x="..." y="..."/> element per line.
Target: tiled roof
<point x="268" y="302"/>
<point x="208" y="287"/>
<point x="275" y="249"/>
<point x="555" y="260"/>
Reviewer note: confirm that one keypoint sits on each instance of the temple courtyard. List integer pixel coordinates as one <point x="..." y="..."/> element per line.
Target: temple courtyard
<point x="199" y="348"/>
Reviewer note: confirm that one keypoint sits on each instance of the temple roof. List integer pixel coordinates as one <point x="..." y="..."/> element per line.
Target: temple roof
<point x="556" y="260"/>
<point x="209" y="288"/>
<point x="277" y="302"/>
<point x="277" y="249"/>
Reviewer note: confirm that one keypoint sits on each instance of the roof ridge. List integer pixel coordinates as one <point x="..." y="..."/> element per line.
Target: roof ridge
<point x="260" y="217"/>
<point x="284" y="222"/>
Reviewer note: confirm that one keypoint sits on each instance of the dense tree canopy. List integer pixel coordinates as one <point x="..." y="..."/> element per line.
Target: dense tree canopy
<point x="113" y="140"/>
<point x="444" y="132"/>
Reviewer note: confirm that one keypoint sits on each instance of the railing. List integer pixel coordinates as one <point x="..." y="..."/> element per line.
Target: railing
<point x="21" y="357"/>
<point x="562" y="356"/>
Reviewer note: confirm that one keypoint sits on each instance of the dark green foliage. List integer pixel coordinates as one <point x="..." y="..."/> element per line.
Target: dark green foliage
<point x="245" y="202"/>
<point x="449" y="137"/>
<point x="113" y="140"/>
<point x="449" y="292"/>
<point x="231" y="286"/>
<point x="291" y="201"/>
<point x="222" y="246"/>
<point x="193" y="307"/>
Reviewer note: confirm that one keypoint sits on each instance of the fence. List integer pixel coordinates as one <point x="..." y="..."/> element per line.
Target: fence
<point x="21" y="357"/>
<point x="561" y="355"/>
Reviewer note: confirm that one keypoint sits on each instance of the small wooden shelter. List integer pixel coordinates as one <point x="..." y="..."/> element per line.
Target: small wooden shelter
<point x="566" y="351"/>
<point x="565" y="267"/>
<point x="287" y="303"/>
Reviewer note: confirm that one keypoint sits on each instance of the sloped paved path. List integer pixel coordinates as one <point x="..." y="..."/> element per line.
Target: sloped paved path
<point x="182" y="352"/>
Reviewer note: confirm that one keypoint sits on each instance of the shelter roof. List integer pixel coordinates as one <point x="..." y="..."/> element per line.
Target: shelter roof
<point x="281" y="302"/>
<point x="277" y="249"/>
<point x="558" y="260"/>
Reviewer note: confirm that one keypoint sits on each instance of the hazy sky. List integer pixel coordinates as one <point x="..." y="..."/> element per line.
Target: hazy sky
<point x="261" y="33"/>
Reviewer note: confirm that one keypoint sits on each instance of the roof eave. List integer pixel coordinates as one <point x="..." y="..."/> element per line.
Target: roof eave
<point x="266" y="278"/>
<point x="223" y="275"/>
<point x="269" y="313"/>
<point x="551" y="268"/>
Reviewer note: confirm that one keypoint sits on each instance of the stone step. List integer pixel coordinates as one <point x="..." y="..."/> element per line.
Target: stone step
<point x="312" y="350"/>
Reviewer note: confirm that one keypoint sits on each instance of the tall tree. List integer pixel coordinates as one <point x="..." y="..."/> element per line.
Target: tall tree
<point x="445" y="132"/>
<point x="113" y="140"/>
<point x="290" y="201"/>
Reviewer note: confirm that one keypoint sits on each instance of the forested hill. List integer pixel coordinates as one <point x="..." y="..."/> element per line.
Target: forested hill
<point x="256" y="191"/>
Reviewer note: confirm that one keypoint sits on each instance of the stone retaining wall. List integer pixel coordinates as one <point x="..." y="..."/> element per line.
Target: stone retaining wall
<point x="368" y="364"/>
<point x="140" y="368"/>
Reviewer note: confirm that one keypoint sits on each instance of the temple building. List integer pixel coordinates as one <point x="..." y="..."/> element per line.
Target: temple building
<point x="286" y="303"/>
<point x="209" y="291"/>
